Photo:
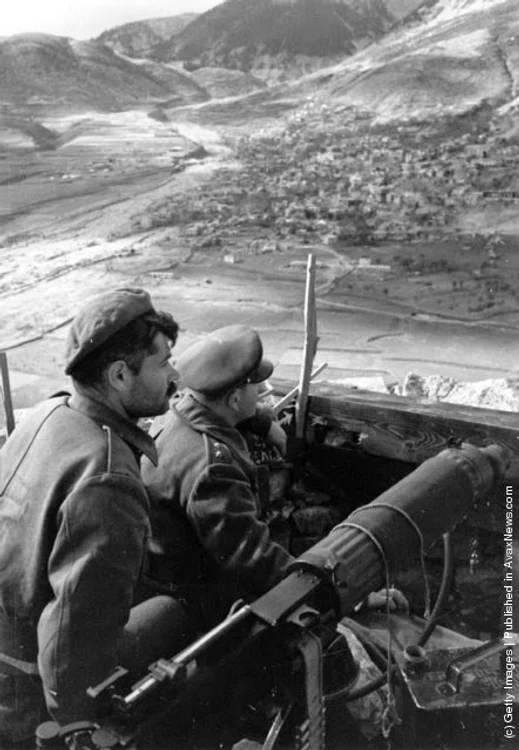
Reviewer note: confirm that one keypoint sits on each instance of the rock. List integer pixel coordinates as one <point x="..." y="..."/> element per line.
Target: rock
<point x="500" y="393"/>
<point x="422" y="387"/>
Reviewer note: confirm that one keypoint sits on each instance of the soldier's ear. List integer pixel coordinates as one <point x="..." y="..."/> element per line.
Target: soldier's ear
<point x="234" y="400"/>
<point x="117" y="375"/>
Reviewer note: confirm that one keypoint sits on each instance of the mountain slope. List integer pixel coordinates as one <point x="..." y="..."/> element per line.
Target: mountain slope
<point x="457" y="57"/>
<point x="222" y="82"/>
<point x="43" y="69"/>
<point x="464" y="53"/>
<point x="137" y="38"/>
<point x="244" y="34"/>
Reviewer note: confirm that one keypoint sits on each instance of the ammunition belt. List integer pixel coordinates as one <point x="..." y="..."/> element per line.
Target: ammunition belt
<point x="310" y="734"/>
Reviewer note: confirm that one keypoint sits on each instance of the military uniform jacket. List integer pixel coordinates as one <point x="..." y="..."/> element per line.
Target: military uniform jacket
<point x="204" y="510"/>
<point x="73" y="529"/>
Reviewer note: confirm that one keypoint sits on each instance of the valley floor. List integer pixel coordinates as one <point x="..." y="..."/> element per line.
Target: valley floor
<point x="77" y="221"/>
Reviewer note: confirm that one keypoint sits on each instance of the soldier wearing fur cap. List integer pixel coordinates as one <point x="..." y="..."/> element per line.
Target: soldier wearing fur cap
<point x="208" y="543"/>
<point x="74" y="519"/>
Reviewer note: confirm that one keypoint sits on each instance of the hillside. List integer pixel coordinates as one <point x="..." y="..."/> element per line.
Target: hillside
<point x="44" y="70"/>
<point x="184" y="87"/>
<point x="223" y="82"/>
<point x="463" y="53"/>
<point x="137" y="38"/>
<point x="455" y="56"/>
<point x="259" y="36"/>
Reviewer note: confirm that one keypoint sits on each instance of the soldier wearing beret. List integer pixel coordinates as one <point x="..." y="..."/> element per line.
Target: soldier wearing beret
<point x="74" y="520"/>
<point x="208" y="543"/>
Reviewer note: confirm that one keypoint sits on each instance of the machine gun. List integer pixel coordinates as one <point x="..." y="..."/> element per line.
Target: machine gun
<point x="268" y="658"/>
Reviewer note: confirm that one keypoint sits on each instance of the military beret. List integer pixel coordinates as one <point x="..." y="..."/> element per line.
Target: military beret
<point x="226" y="358"/>
<point x="100" y="318"/>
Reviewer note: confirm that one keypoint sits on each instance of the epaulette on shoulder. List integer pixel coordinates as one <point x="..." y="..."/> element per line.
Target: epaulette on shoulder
<point x="218" y="452"/>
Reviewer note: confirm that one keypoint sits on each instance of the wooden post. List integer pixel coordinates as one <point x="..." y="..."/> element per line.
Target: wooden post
<point x="6" y="392"/>
<point x="309" y="349"/>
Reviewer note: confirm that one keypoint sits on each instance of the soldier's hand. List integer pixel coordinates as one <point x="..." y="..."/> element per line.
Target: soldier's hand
<point x="394" y="598"/>
<point x="277" y="437"/>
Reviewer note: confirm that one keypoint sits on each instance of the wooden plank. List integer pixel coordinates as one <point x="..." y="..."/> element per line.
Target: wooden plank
<point x="6" y="394"/>
<point x="309" y="349"/>
<point x="406" y="430"/>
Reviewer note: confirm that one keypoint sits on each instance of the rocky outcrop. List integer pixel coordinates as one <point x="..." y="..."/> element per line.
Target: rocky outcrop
<point x="501" y="393"/>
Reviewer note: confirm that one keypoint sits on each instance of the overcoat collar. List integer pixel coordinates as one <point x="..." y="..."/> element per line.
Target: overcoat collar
<point x="138" y="440"/>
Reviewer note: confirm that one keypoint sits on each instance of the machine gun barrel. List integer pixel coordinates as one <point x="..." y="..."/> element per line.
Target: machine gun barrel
<point x="177" y="668"/>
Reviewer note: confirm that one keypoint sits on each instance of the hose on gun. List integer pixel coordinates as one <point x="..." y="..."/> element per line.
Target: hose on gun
<point x="379" y="658"/>
<point x="442" y="594"/>
<point x="370" y="687"/>
<point x="376" y="652"/>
